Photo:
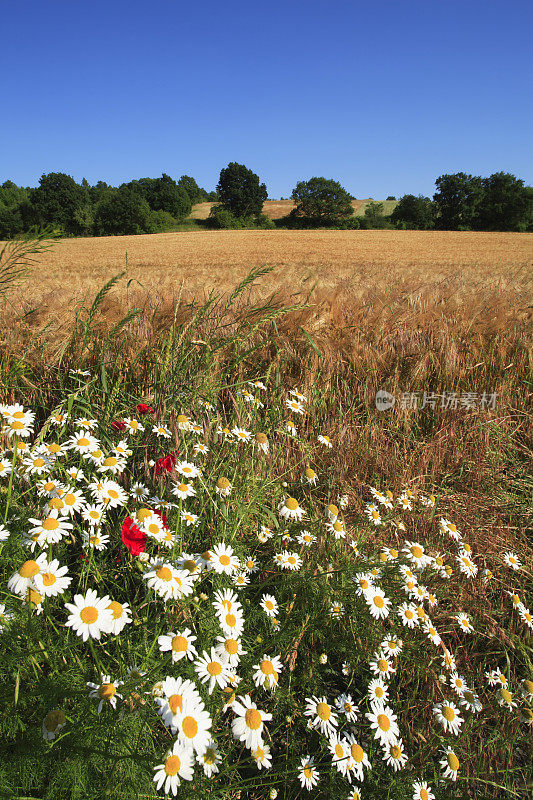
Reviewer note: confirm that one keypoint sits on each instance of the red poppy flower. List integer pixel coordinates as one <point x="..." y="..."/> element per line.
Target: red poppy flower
<point x="166" y="463"/>
<point x="133" y="537"/>
<point x="118" y="425"/>
<point x="142" y="408"/>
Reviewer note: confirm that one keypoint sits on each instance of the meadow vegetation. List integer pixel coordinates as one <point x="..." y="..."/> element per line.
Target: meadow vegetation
<point x="347" y="614"/>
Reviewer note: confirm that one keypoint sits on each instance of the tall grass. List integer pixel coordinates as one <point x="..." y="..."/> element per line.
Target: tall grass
<point x="475" y="461"/>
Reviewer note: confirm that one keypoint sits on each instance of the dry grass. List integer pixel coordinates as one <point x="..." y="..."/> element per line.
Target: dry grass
<point x="275" y="209"/>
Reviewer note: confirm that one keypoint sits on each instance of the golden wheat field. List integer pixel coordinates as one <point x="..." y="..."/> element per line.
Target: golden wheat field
<point x="476" y="270"/>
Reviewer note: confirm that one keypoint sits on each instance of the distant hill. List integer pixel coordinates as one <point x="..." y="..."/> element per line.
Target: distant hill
<point x="280" y="208"/>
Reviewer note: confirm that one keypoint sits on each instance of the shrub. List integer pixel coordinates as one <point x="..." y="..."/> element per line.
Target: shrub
<point x="222" y="218"/>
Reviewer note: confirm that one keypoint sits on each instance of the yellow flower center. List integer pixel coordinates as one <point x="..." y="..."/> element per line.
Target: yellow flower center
<point x="214" y="668"/>
<point x="395" y="751"/>
<point x="50" y="524"/>
<point x="106" y="691"/>
<point x="113" y="493"/>
<point x="164" y="574"/>
<point x="453" y="762"/>
<point x="378" y="601"/>
<point x="231" y="646"/>
<point x="175" y="703"/>
<point x="308" y="772"/>
<point x="89" y="614"/>
<point x="116" y="608"/>
<point x="29" y="569"/>
<point x="448" y="713"/>
<point x="357" y="752"/>
<point x="83" y="441"/>
<point x="383" y="722"/>
<point x="222" y="483"/>
<point x="253" y="719"/>
<point x="189" y="727"/>
<point x="266" y="667"/>
<point x="179" y="644"/>
<point x="323" y="711"/>
<point x="383" y="665"/>
<point x="339" y="751"/>
<point x="225" y="560"/>
<point x="506" y="695"/>
<point x="48" y="578"/>
<point x="172" y="765"/>
<point x="291" y="503"/>
<point x="417" y="551"/>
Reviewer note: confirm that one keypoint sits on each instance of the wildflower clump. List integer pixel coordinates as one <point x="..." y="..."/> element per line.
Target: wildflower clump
<point x="192" y="601"/>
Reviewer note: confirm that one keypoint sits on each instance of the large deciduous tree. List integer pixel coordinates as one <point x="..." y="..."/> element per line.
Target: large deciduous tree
<point x="59" y="200"/>
<point x="322" y="198"/>
<point x="414" y="212"/>
<point x="457" y="199"/>
<point x="240" y="191"/>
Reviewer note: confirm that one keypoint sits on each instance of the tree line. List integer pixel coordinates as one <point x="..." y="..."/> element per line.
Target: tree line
<point x="500" y="202"/>
<point x="146" y="205"/>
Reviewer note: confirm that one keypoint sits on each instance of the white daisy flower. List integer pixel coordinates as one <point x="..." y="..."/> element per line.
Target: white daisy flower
<point x="179" y="644"/>
<point x="345" y="705"/>
<point x="321" y="715"/>
<point x="90" y="615"/>
<point x="105" y="691"/>
<point x="383" y="722"/>
<point x="121" y="616"/>
<point x="267" y="672"/>
<point x="210" y="759"/>
<point x="395" y="755"/>
<point x="178" y="763"/>
<point x="249" y="723"/>
<point x="512" y="560"/>
<point x="212" y="669"/>
<point x="448" y="715"/>
<point x="450" y="764"/>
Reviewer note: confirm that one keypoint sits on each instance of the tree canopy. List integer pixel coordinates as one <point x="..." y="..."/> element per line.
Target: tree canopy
<point x="322" y="198"/>
<point x="240" y="191"/>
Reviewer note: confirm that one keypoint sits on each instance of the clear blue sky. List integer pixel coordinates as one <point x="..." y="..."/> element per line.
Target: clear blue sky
<point x="383" y="96"/>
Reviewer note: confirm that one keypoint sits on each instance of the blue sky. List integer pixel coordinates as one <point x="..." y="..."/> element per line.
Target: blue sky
<point x="383" y="96"/>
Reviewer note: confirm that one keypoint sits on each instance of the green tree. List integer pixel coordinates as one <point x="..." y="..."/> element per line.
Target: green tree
<point x="162" y="194"/>
<point x="240" y="191"/>
<point x="457" y="199"/>
<point x="506" y="205"/>
<point x="122" y="211"/>
<point x="322" y="199"/>
<point x="196" y="194"/>
<point x="414" y="212"/>
<point x="373" y="216"/>
<point x="60" y="201"/>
